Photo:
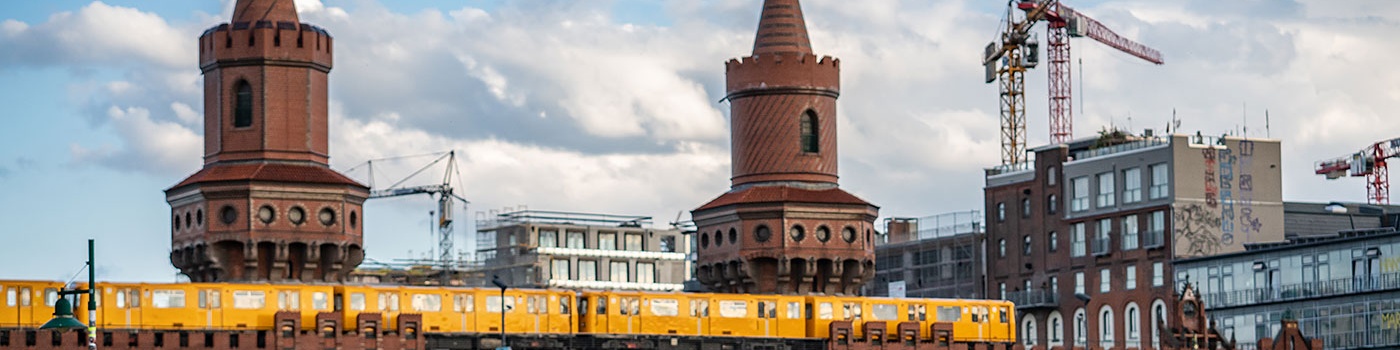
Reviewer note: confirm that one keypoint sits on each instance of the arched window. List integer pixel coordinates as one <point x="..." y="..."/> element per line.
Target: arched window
<point x="1056" y="332"/>
<point x="810" y="132"/>
<point x="243" y="105"/>
<point x="1028" y="331"/>
<point x="1106" y="327"/>
<point x="1081" y="337"/>
<point x="1132" y="320"/>
<point x="1159" y="315"/>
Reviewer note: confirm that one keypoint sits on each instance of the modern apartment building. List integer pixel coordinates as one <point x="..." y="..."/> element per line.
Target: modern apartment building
<point x="543" y="249"/>
<point x="1082" y="237"/>
<point x="936" y="256"/>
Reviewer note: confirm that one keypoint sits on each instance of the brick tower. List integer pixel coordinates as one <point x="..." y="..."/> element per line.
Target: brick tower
<point x="266" y="206"/>
<point x="784" y="227"/>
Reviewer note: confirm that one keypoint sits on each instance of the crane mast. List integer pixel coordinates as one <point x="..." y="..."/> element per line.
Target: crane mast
<point x="1007" y="61"/>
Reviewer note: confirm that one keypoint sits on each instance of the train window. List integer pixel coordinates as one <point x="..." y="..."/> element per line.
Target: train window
<point x="168" y="299"/>
<point x="846" y="311"/>
<point x="214" y="301"/>
<point x="530" y="305"/>
<point x="471" y="303"/>
<point x="318" y="301"/>
<point x="583" y="306"/>
<point x="636" y="306"/>
<point x="357" y="301"/>
<point x="50" y="296"/>
<point x="665" y="307"/>
<point x="884" y="312"/>
<point x="246" y="299"/>
<point x="10" y="296"/>
<point x="949" y="313"/>
<point x="824" y="311"/>
<point x="121" y="299"/>
<point x="133" y="297"/>
<point x="733" y="308"/>
<point x="910" y="313"/>
<point x="563" y="306"/>
<point x="794" y="310"/>
<point x="427" y="302"/>
<point x="1004" y="315"/>
<point x="763" y="309"/>
<point x="202" y="300"/>
<point x="493" y="304"/>
<point x="704" y="308"/>
<point x="602" y="306"/>
<point x="288" y="300"/>
<point x="696" y="306"/>
<point x="24" y="296"/>
<point x="809" y="311"/>
<point x="923" y="313"/>
<point x="457" y="302"/>
<point x="625" y="307"/>
<point x="851" y="310"/>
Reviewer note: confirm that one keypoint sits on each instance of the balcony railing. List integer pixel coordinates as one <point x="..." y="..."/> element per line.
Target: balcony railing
<point x="1340" y="286"/>
<point x="1152" y="239"/>
<point x="1101" y="246"/>
<point x="1034" y="298"/>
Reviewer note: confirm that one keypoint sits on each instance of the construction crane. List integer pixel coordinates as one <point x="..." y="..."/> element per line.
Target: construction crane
<point x="445" y="192"/>
<point x="1018" y="51"/>
<point x="1368" y="162"/>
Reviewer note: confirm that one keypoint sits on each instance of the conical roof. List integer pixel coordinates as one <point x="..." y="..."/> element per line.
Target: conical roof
<point x="252" y="11"/>
<point x="781" y="29"/>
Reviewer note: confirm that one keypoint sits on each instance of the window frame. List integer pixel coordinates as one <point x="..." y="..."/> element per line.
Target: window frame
<point x="810" y="132"/>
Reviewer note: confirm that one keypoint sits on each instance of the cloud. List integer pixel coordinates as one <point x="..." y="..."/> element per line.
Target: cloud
<point x="148" y="145"/>
<point x="97" y="34"/>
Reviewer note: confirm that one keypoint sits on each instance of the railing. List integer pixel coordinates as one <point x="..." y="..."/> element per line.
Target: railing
<point x="1152" y="239"/>
<point x="1101" y="246"/>
<point x="1033" y="298"/>
<point x="1135" y="145"/>
<point x="1340" y="286"/>
<point x="1013" y="167"/>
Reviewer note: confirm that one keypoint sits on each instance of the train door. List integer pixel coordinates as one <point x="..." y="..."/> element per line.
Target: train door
<point x="700" y="312"/>
<point x="585" y="315"/>
<point x="533" y="306"/>
<point x="767" y="316"/>
<point x="791" y="324"/>
<point x="464" y="305"/>
<point x="25" y="308"/>
<point x="561" y="316"/>
<point x="128" y="308"/>
<point x="627" y="309"/>
<point x="211" y="305"/>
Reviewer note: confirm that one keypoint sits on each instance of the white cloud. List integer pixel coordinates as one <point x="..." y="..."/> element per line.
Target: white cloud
<point x="148" y="145"/>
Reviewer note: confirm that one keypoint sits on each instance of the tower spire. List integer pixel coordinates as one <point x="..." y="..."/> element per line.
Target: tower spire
<point x="781" y="29"/>
<point x="252" y="11"/>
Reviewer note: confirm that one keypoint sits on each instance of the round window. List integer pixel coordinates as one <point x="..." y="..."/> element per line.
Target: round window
<point x="823" y="233"/>
<point x="176" y="219"/>
<point x="296" y="215"/>
<point x="353" y="220"/>
<point x="762" y="233"/>
<point x="704" y="240"/>
<point x="228" y="215"/>
<point x="199" y="217"/>
<point x="188" y="223"/>
<point x="797" y="233"/>
<point x="327" y="216"/>
<point x="266" y="214"/>
<point x="848" y="234"/>
<point x="719" y="238"/>
<point x="733" y="236"/>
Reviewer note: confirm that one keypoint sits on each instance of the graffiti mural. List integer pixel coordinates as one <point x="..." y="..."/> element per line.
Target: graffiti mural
<point x="1248" y="223"/>
<point x="1227" y="200"/>
<point x="1193" y="231"/>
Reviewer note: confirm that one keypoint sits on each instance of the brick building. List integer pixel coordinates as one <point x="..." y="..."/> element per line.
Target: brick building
<point x="1082" y="237"/>
<point x="784" y="226"/>
<point x="544" y="249"/>
<point x="266" y="206"/>
<point x="939" y="256"/>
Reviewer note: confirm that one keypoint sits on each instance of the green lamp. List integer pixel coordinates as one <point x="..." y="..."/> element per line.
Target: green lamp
<point x="63" y="317"/>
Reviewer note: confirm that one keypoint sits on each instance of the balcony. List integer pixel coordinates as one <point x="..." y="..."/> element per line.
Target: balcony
<point x="1307" y="290"/>
<point x="1033" y="299"/>
<point x="1152" y="239"/>
<point x="1101" y="246"/>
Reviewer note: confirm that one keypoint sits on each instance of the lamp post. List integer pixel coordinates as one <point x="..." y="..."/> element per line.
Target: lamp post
<point x="496" y="280"/>
<point x="63" y="309"/>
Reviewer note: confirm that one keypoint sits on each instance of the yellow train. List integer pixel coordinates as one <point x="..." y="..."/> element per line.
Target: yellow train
<point x="528" y="312"/>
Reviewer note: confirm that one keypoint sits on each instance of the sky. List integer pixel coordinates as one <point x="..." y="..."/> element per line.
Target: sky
<point x="613" y="106"/>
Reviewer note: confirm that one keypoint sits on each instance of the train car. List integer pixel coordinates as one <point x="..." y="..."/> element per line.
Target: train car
<point x="27" y="302"/>
<point x="533" y="311"/>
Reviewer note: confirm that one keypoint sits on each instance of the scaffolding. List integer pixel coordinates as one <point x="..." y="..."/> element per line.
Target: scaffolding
<point x="942" y="260"/>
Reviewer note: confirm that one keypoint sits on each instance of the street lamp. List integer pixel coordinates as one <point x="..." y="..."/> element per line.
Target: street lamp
<point x="496" y="280"/>
<point x="63" y="309"/>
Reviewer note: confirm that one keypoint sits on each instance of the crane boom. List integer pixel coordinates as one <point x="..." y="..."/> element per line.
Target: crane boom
<point x="1369" y="162"/>
<point x="1017" y="52"/>
<point x="446" y="197"/>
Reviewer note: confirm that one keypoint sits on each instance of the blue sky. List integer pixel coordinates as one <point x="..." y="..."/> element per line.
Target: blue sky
<point x="609" y="106"/>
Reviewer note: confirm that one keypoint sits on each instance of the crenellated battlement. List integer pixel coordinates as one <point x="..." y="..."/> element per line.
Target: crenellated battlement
<point x="788" y="70"/>
<point x="265" y="40"/>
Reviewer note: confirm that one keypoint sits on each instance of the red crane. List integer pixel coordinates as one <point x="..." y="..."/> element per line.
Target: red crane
<point x="1368" y="162"/>
<point x="1018" y="51"/>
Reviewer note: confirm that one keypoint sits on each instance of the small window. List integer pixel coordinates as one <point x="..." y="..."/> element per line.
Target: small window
<point x="319" y="301"/>
<point x="797" y="233"/>
<point x="168" y="299"/>
<point x="823" y="233"/>
<point x="243" y="107"/>
<point x="794" y="310"/>
<point x="762" y="233"/>
<point x="811" y="133"/>
<point x="733" y="236"/>
<point x="825" y="311"/>
<point x="564" y="306"/>
<point x="665" y="307"/>
<point x="493" y="304"/>
<point x="733" y="308"/>
<point x="1001" y="211"/>
<point x="357" y="301"/>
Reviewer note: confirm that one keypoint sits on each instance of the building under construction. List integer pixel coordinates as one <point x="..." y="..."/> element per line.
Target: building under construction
<point x="932" y="257"/>
<point x="548" y="249"/>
